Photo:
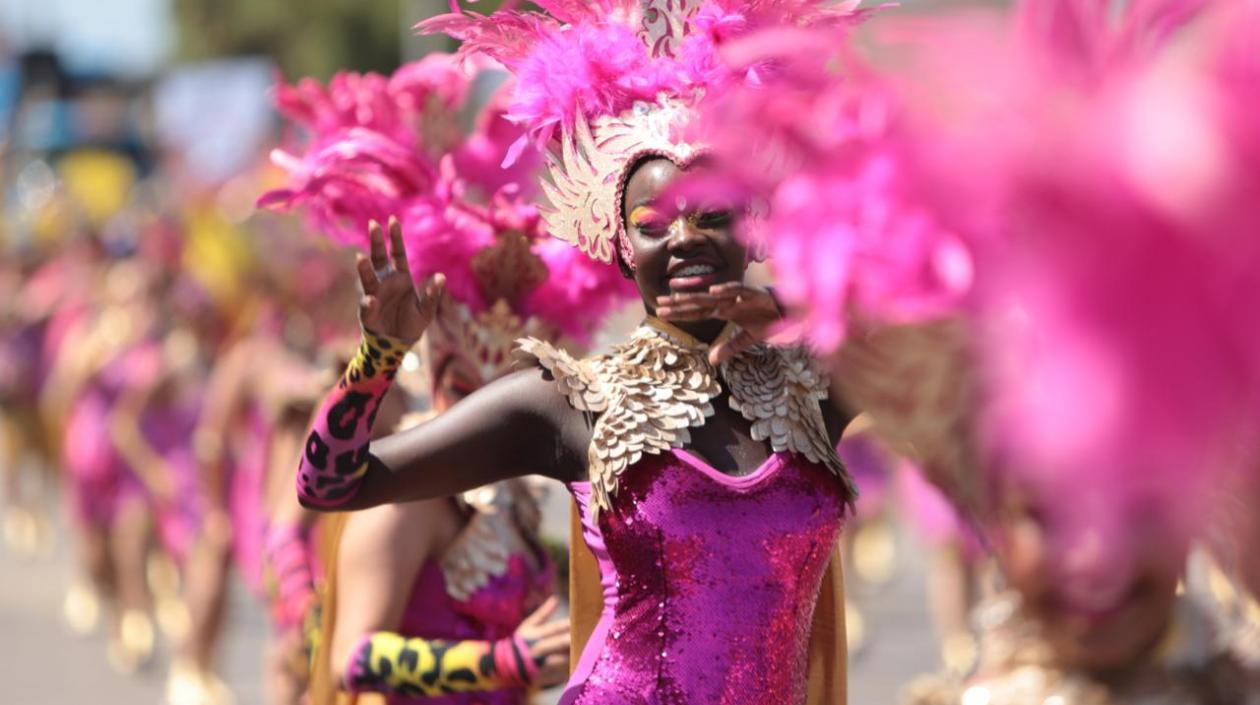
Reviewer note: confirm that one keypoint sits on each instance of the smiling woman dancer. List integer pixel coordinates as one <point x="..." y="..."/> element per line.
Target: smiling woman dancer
<point x="703" y="460"/>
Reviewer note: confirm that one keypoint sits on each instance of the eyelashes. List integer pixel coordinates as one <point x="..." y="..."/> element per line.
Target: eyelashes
<point x="713" y="219"/>
<point x="650" y="221"/>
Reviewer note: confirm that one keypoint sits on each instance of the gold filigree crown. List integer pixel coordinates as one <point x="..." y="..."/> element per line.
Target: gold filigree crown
<point x="484" y="340"/>
<point x="505" y="272"/>
<point x="589" y="174"/>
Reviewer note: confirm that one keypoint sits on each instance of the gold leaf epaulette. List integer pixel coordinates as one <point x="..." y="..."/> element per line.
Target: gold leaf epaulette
<point x="504" y="520"/>
<point x="778" y="391"/>
<point x="651" y="390"/>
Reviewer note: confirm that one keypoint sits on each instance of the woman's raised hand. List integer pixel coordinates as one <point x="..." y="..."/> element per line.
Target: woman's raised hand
<point x="754" y="310"/>
<point x="548" y="642"/>
<point x="391" y="306"/>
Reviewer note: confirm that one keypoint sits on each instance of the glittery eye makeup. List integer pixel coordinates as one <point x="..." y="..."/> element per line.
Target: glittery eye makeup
<point x="649" y="220"/>
<point x="711" y="219"/>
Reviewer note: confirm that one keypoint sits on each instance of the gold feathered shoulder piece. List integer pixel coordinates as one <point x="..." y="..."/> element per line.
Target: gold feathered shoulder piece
<point x="650" y="391"/>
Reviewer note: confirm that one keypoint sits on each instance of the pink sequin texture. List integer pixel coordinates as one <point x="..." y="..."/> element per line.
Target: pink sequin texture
<point x="710" y="583"/>
<point x="492" y="612"/>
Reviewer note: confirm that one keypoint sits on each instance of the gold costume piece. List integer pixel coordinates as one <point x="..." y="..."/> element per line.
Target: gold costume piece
<point x="650" y="391"/>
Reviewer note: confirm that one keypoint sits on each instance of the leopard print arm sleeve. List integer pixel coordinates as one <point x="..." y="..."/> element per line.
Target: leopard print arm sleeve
<point x="336" y="454"/>
<point x="385" y="662"/>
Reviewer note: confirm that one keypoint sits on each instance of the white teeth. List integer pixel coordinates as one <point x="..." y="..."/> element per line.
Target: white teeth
<point x="695" y="270"/>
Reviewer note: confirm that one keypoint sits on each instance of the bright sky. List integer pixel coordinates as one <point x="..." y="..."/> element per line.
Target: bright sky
<point x="126" y="36"/>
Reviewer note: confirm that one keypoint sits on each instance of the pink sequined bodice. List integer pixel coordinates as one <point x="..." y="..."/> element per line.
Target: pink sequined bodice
<point x="492" y="612"/>
<point x="710" y="583"/>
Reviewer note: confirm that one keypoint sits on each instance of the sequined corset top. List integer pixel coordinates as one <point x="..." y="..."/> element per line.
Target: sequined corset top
<point x="710" y="582"/>
<point x="493" y="611"/>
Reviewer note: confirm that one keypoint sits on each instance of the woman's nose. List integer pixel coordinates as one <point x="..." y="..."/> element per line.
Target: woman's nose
<point x="684" y="235"/>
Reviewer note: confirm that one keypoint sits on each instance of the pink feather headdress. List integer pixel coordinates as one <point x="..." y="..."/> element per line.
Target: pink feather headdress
<point x="391" y="146"/>
<point x="605" y="83"/>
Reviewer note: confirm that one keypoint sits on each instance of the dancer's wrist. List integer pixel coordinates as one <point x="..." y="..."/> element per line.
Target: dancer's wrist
<point x="377" y="358"/>
<point x="513" y="664"/>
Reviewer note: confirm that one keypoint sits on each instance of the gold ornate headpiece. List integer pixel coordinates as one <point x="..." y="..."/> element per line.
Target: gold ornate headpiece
<point x="588" y="177"/>
<point x="601" y="84"/>
<point x="484" y="340"/>
<point x="505" y="273"/>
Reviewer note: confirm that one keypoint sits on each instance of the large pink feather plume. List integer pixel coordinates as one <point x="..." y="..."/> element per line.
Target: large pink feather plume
<point x="365" y="154"/>
<point x="382" y="147"/>
<point x="443" y="235"/>
<point x="480" y="158"/>
<point x="849" y="235"/>
<point x="1094" y="174"/>
<point x="581" y="60"/>
<point x="585" y="70"/>
<point x="351" y="178"/>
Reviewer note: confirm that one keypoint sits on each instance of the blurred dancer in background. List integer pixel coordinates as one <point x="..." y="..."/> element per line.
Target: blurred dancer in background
<point x="260" y="394"/>
<point x="423" y="576"/>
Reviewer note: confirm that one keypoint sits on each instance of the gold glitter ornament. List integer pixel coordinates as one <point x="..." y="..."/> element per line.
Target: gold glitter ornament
<point x="484" y="340"/>
<point x="502" y="516"/>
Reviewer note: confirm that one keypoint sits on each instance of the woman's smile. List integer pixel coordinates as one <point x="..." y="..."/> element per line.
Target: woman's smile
<point x="693" y="275"/>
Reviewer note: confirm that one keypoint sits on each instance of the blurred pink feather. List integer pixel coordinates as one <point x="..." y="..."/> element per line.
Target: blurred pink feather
<point x="439" y="77"/>
<point x="586" y="69"/>
<point x="381" y="147"/>
<point x="481" y="157"/>
<point x="582" y="59"/>
<point x="849" y="235"/>
<point x="354" y="177"/>
<point x="579" y="293"/>
<point x="1090" y="188"/>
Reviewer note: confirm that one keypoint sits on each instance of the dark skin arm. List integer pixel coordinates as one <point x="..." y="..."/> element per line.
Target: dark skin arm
<point x="518" y="425"/>
<point x="515" y="426"/>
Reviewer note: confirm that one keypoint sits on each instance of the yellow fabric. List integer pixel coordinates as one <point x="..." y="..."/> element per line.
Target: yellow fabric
<point x="98" y="182"/>
<point x="828" y="643"/>
<point x="216" y="253"/>
<point x="322" y="689"/>
<point x="586" y="596"/>
<point x="828" y="648"/>
<point x="427" y="668"/>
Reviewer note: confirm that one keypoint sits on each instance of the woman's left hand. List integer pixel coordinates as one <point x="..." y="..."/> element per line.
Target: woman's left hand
<point x="754" y="310"/>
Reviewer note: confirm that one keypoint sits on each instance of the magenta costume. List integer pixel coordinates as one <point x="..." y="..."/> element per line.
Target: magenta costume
<point x="491" y="613"/>
<point x="709" y="582"/>
<point x="101" y="481"/>
<point x="246" y="477"/>
<point x="167" y="424"/>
